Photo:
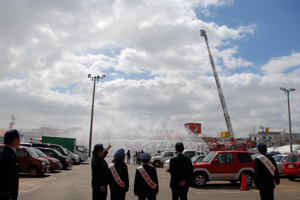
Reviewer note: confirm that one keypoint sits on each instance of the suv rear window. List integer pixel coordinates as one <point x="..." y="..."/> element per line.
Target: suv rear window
<point x="292" y="158"/>
<point x="244" y="157"/>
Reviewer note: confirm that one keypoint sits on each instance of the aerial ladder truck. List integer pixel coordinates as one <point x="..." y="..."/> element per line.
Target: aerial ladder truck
<point x="232" y="145"/>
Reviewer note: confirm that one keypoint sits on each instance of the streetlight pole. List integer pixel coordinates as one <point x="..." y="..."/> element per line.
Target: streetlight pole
<point x="94" y="80"/>
<point x="287" y="91"/>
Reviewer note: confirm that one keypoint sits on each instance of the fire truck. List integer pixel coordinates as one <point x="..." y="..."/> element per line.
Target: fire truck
<point x="217" y="147"/>
<point x="232" y="145"/>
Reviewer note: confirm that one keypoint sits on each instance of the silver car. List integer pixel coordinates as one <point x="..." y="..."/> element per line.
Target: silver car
<point x="279" y="161"/>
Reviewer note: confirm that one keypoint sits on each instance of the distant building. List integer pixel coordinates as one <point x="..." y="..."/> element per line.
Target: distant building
<point x="271" y="139"/>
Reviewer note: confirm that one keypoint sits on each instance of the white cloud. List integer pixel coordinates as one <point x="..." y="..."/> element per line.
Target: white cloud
<point x="281" y="64"/>
<point x="157" y="65"/>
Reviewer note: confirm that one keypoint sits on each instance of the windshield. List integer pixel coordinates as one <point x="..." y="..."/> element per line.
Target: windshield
<point x="32" y="153"/>
<point x="40" y="153"/>
<point x="231" y="146"/>
<point x="57" y="152"/>
<point x="194" y="158"/>
<point x="208" y="157"/>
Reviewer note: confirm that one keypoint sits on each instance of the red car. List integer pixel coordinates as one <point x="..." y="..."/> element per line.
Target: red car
<point x="30" y="162"/>
<point x="291" y="166"/>
<point x="54" y="163"/>
<point x="224" y="166"/>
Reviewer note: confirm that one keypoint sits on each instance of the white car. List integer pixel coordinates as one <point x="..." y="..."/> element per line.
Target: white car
<point x="279" y="161"/>
<point x="75" y="159"/>
<point x="194" y="155"/>
<point x="158" y="161"/>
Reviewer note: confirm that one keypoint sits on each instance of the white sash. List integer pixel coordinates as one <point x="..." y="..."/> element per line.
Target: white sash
<point x="147" y="177"/>
<point x="116" y="175"/>
<point x="269" y="165"/>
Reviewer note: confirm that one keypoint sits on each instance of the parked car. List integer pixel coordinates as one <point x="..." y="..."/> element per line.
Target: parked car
<point x="57" y="147"/>
<point x="35" y="140"/>
<point x="291" y="166"/>
<point x="30" y="162"/>
<point x="224" y="166"/>
<point x="75" y="159"/>
<point x="82" y="152"/>
<point x="196" y="158"/>
<point x="158" y="161"/>
<point x="279" y="162"/>
<point x="54" y="163"/>
<point x="65" y="161"/>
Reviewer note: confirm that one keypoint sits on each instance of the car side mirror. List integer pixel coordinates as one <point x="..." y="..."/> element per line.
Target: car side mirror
<point x="216" y="161"/>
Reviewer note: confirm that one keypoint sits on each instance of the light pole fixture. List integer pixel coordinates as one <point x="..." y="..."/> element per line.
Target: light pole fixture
<point x="287" y="91"/>
<point x="94" y="80"/>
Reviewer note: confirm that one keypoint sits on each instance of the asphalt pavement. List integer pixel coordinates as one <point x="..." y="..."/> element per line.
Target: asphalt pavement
<point x="75" y="183"/>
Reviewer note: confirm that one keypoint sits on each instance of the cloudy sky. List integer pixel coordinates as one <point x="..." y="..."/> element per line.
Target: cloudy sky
<point x="158" y="73"/>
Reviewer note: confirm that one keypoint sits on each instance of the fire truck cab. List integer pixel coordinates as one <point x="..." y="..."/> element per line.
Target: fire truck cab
<point x="217" y="147"/>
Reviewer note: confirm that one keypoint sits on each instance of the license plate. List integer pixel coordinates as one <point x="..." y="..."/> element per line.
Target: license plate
<point x="69" y="164"/>
<point x="291" y="166"/>
<point x="47" y="169"/>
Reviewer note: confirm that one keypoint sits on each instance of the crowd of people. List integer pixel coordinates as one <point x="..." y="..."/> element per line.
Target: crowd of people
<point x="145" y="183"/>
<point x="115" y="175"/>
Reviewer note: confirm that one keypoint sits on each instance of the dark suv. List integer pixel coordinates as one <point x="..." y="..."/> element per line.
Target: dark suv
<point x="65" y="161"/>
<point x="224" y="166"/>
<point x="291" y="166"/>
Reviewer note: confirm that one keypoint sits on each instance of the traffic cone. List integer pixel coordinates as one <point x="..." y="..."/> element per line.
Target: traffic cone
<point x="243" y="183"/>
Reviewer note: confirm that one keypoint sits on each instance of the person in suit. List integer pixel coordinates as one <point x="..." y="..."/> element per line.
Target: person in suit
<point x="145" y="181"/>
<point x="9" y="166"/>
<point x="265" y="173"/>
<point x="181" y="170"/>
<point x="99" y="172"/>
<point x="118" y="177"/>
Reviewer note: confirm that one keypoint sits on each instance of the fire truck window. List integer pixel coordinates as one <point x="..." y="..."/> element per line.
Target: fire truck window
<point x="244" y="157"/>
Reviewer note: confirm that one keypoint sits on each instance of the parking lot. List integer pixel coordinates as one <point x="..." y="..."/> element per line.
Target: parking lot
<point x="75" y="183"/>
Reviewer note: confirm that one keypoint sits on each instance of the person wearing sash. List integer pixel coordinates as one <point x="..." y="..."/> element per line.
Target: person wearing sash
<point x="265" y="173"/>
<point x="118" y="177"/>
<point x="145" y="182"/>
<point x="99" y="172"/>
<point x="181" y="170"/>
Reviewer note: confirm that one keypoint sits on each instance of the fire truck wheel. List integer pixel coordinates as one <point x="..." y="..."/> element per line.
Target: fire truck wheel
<point x="199" y="179"/>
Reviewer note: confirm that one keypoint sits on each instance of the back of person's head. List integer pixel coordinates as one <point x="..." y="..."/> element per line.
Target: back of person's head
<point x="145" y="157"/>
<point x="179" y="146"/>
<point x="262" y="148"/>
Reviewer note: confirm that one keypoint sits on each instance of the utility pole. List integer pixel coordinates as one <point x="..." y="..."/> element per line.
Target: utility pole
<point x="94" y="80"/>
<point x="287" y="91"/>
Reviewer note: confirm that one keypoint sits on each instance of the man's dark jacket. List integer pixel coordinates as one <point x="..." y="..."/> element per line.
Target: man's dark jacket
<point x="181" y="169"/>
<point x="141" y="187"/>
<point x="262" y="176"/>
<point x="9" y="174"/>
<point x="99" y="172"/>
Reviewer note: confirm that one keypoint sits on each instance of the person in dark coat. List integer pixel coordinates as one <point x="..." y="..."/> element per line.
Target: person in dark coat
<point x="181" y="170"/>
<point x="99" y="172"/>
<point x="142" y="189"/>
<point x="128" y="157"/>
<point x="118" y="184"/>
<point x="265" y="175"/>
<point x="9" y="166"/>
